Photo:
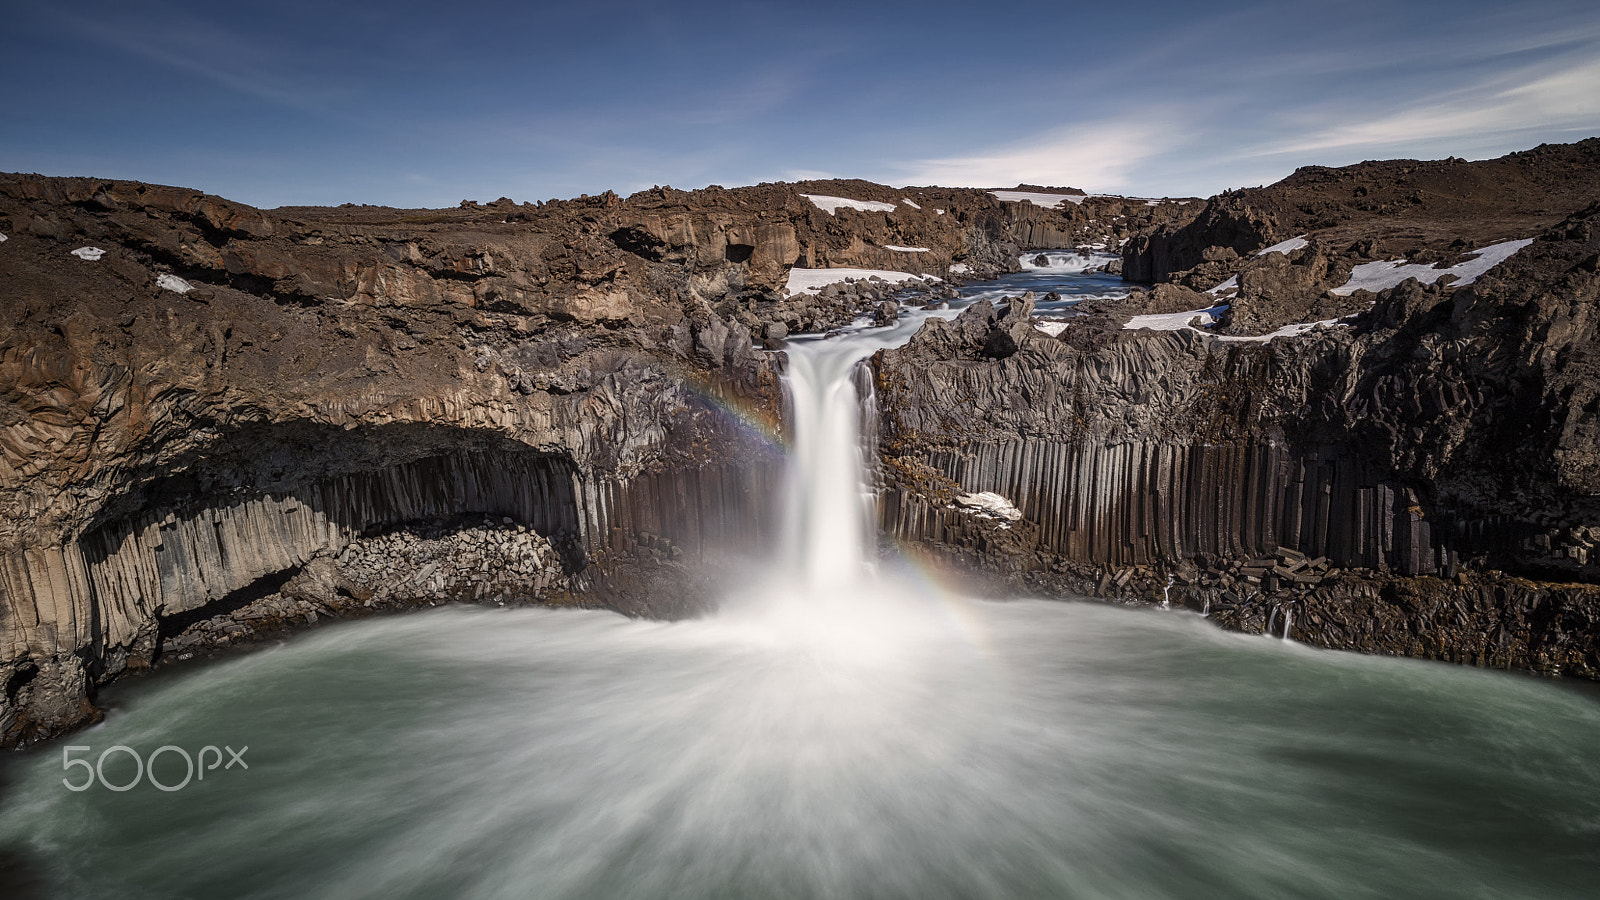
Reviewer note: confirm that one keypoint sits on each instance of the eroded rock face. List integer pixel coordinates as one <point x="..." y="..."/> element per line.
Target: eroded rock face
<point x="1446" y="437"/>
<point x="224" y="399"/>
<point x="1434" y="212"/>
<point x="199" y="421"/>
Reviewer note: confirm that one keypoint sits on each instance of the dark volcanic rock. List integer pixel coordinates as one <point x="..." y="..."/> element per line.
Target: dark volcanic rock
<point x="1422" y="212"/>
<point x="195" y="420"/>
<point x="1407" y="206"/>
<point x="1283" y="289"/>
<point x="1449" y="436"/>
<point x="231" y="420"/>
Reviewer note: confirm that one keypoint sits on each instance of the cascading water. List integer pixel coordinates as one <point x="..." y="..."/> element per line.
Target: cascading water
<point x="849" y="734"/>
<point x="828" y="509"/>
<point x="825" y="594"/>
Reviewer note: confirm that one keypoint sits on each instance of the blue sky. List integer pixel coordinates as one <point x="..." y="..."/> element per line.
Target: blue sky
<point x="424" y="104"/>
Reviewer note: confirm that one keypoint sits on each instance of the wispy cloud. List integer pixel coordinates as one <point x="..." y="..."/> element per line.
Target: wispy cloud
<point x="1565" y="98"/>
<point x="1100" y="156"/>
<point x="806" y="175"/>
<point x="760" y="92"/>
<point x="227" y="59"/>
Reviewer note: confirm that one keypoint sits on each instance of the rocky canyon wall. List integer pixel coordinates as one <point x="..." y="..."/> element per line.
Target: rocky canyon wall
<point x="201" y="401"/>
<point x="1441" y="445"/>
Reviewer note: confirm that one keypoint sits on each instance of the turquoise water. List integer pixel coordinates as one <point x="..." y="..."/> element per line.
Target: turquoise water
<point x="833" y="733"/>
<point x="922" y="748"/>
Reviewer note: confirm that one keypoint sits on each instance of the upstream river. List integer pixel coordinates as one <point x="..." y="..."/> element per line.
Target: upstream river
<point x="846" y="728"/>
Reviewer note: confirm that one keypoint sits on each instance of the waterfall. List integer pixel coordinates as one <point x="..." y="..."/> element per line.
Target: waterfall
<point x="829" y="521"/>
<point x="828" y="506"/>
<point x="1288" y="620"/>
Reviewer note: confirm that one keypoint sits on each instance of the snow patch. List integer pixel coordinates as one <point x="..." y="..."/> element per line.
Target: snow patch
<point x="959" y="268"/>
<point x="831" y="204"/>
<point x="1052" y="328"/>
<point x="1377" y="276"/>
<point x="1286" y="247"/>
<point x="1232" y="284"/>
<point x="1286" y="331"/>
<point x="1208" y="317"/>
<point x="939" y="211"/>
<point x="1048" y="201"/>
<point x="173" y="283"/>
<point x="812" y="280"/>
<point x="909" y="202"/>
<point x="90" y="253"/>
<point x="1176" y="321"/>
<point x="905" y="249"/>
<point x="989" y="505"/>
<point x="2" y="239"/>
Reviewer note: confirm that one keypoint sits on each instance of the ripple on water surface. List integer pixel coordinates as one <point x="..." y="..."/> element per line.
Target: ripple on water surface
<point x="833" y="737"/>
<point x="882" y="748"/>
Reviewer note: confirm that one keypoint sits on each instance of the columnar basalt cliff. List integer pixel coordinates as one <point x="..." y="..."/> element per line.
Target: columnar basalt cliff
<point x="204" y="405"/>
<point x="1421" y="479"/>
<point x="216" y="420"/>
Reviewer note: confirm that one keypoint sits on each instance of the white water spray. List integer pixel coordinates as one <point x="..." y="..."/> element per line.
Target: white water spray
<point x="830" y="513"/>
<point x="1064" y="262"/>
<point x="829" y="507"/>
<point x="855" y="740"/>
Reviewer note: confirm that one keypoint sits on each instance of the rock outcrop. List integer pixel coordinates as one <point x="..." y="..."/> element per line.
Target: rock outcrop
<point x="1432" y="467"/>
<point x="1422" y="212"/>
<point x="216" y="421"/>
<point x="202" y="403"/>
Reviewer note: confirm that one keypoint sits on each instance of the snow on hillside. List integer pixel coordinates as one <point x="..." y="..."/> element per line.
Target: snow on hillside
<point x="831" y="204"/>
<point x="1175" y="321"/>
<point x="1377" y="276"/>
<point x="1208" y="317"/>
<point x="89" y="253"/>
<point x="1294" y="330"/>
<point x="811" y="280"/>
<point x="173" y="283"/>
<point x="1048" y="201"/>
<point x="905" y="249"/>
<point x="1292" y="244"/>
<point x="989" y="505"/>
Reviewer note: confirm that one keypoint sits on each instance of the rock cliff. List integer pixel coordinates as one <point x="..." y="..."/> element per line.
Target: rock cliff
<point x="1335" y="219"/>
<point x="204" y="406"/>
<point x="217" y="420"/>
<point x="1422" y="479"/>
